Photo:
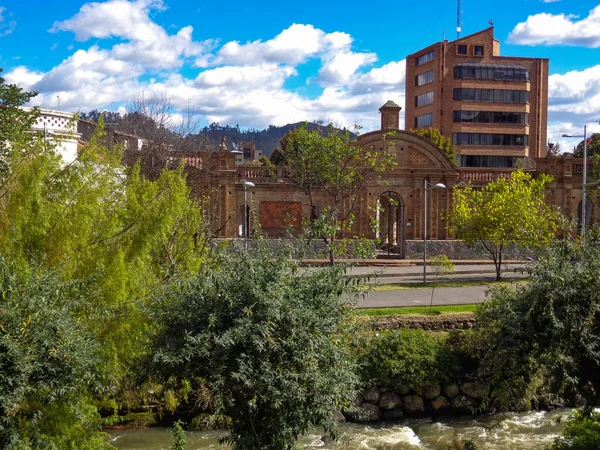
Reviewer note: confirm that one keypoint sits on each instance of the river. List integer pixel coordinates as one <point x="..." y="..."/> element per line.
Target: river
<point x="508" y="431"/>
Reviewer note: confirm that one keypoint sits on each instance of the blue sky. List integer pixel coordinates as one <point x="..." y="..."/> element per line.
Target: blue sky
<point x="256" y="63"/>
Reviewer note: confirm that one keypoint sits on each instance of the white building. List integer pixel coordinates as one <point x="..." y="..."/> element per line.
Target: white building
<point x="62" y="127"/>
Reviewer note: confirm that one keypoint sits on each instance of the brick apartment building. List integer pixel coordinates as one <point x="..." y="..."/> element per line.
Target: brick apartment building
<point x="494" y="108"/>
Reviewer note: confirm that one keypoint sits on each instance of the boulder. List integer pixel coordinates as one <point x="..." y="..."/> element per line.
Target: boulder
<point x="371" y="396"/>
<point x="413" y="404"/>
<point x="451" y="390"/>
<point x="430" y="391"/>
<point x="475" y="389"/>
<point x="463" y="403"/>
<point x="389" y="400"/>
<point x="440" y="402"/>
<point x="369" y="413"/>
<point x="337" y="416"/>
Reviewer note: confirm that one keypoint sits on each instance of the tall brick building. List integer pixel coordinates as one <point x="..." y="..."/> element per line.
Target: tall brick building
<point x="494" y="108"/>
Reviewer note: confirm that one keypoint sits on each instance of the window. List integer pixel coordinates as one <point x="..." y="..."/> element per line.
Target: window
<point x="461" y="49"/>
<point x="425" y="120"/>
<point x="509" y="140"/>
<point x="480" y="71"/>
<point x="491" y="95"/>
<point x="424" y="99"/>
<point x="424" y="78"/>
<point x="478" y="50"/>
<point x="514" y="118"/>
<point x="487" y="161"/>
<point x="425" y="58"/>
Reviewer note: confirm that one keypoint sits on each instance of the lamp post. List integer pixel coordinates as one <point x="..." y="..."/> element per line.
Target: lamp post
<point x="584" y="183"/>
<point x="427" y="186"/>
<point x="247" y="184"/>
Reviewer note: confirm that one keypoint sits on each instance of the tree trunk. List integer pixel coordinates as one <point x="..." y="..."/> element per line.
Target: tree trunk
<point x="330" y="250"/>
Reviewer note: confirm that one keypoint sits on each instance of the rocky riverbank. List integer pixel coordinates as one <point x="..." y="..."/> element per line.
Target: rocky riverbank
<point x="384" y="403"/>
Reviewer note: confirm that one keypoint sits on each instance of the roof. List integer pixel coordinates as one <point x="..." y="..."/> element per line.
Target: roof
<point x="492" y="65"/>
<point x="390" y="104"/>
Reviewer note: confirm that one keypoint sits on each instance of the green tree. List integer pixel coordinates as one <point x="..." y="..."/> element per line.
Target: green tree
<point x="546" y="334"/>
<point x="434" y="136"/>
<point x="15" y="122"/>
<point x="504" y="212"/>
<point x="582" y="432"/>
<point x="332" y="170"/>
<point x="593" y="147"/>
<point x="268" y="338"/>
<point x="47" y="365"/>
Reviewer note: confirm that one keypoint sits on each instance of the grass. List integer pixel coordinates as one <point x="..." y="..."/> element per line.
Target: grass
<point x="440" y="284"/>
<point x="418" y="310"/>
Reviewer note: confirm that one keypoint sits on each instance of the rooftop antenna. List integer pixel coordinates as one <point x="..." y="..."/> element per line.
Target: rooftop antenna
<point x="458" y="18"/>
<point x="58" y="101"/>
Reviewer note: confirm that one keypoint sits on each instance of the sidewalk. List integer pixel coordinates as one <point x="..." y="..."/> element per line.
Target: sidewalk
<point x="421" y="295"/>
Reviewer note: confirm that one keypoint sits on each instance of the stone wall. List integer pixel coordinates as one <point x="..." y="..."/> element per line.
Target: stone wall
<point x="455" y="249"/>
<point x="445" y="322"/>
<point x="386" y="403"/>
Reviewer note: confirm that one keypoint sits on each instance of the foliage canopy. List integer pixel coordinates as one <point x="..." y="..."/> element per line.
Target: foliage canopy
<point x="331" y="169"/>
<point x="546" y="332"/>
<point x="268" y="339"/>
<point x="504" y="212"/>
<point x="434" y="136"/>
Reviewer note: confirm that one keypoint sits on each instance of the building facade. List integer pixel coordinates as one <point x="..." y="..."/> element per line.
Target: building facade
<point x="493" y="107"/>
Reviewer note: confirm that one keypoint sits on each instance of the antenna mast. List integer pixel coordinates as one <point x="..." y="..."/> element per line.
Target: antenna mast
<point x="458" y="18"/>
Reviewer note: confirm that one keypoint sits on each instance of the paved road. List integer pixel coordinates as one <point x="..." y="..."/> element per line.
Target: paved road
<point x="422" y="296"/>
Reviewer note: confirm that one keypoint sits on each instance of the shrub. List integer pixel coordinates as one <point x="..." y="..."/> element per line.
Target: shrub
<point x="405" y="357"/>
<point x="582" y="432"/>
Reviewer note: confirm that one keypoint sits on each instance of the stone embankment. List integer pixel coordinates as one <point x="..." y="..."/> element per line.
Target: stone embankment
<point x="442" y="322"/>
<point x="384" y="403"/>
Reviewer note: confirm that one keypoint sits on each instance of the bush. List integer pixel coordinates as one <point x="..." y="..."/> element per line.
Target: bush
<point x="582" y="432"/>
<point x="268" y="339"/>
<point x="405" y="357"/>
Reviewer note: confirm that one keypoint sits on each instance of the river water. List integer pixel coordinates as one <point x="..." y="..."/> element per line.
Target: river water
<point x="509" y="431"/>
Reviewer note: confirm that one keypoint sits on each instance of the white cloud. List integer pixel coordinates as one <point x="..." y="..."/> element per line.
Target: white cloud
<point x="574" y="101"/>
<point x="292" y="46"/>
<point x="6" y="28"/>
<point x="559" y="29"/>
<point x="147" y="43"/>
<point x="114" y="18"/>
<point x="243" y="83"/>
<point x="341" y="67"/>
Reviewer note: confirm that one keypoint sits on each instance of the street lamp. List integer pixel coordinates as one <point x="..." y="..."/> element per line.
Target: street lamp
<point x="247" y="184"/>
<point x="427" y="186"/>
<point x="584" y="184"/>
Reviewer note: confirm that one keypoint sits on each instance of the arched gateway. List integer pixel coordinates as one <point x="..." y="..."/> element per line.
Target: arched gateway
<point x="390" y="207"/>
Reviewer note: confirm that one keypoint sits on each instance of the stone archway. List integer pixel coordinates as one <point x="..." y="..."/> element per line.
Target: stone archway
<point x="390" y="221"/>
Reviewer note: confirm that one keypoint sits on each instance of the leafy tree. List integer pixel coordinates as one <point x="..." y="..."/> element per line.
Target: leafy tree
<point x="15" y="122"/>
<point x="434" y="136"/>
<point x="92" y="220"/>
<point x="546" y="333"/>
<point x="331" y="169"/>
<point x="47" y="365"/>
<point x="506" y="211"/>
<point x="582" y="432"/>
<point x="268" y="338"/>
<point x="593" y="147"/>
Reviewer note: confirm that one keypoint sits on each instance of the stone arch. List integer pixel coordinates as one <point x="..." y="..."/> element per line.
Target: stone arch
<point x="390" y="222"/>
<point x="406" y="145"/>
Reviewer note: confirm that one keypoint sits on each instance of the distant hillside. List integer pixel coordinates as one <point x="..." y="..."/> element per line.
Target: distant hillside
<point x="267" y="140"/>
<point x="158" y="128"/>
